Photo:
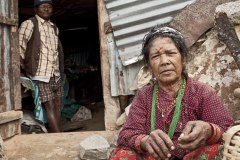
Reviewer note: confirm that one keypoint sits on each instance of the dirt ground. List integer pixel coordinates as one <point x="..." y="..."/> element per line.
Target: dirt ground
<point x="58" y="146"/>
<point x="51" y="146"/>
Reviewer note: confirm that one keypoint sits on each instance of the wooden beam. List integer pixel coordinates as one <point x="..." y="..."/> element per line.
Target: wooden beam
<point x="8" y="21"/>
<point x="227" y="34"/>
<point x="112" y="107"/>
<point x="10" y="116"/>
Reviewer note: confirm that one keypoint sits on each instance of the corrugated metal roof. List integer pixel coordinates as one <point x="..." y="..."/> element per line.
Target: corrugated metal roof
<point x="131" y="19"/>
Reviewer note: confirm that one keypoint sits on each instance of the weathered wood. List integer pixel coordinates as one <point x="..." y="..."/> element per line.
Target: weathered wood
<point x="10" y="116"/>
<point x="8" y="21"/>
<point x="112" y="108"/>
<point x="10" y="91"/>
<point x="107" y="27"/>
<point x="2" y="97"/>
<point x="14" y="71"/>
<point x="2" y="75"/>
<point x="227" y="34"/>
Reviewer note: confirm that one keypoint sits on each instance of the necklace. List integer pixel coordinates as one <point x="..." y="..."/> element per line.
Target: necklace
<point x="164" y="110"/>
<point x="170" y="106"/>
<point x="177" y="110"/>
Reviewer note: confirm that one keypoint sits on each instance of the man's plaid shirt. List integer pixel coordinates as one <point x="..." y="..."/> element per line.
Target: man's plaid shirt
<point x="48" y="60"/>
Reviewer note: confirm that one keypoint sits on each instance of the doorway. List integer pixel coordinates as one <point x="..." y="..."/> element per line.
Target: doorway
<point x="77" y="21"/>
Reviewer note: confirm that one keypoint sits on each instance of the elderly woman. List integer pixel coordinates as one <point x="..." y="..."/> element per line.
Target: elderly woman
<point x="176" y="117"/>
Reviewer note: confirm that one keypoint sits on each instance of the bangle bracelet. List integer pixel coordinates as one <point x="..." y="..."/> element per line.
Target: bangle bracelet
<point x="138" y="143"/>
<point x="216" y="134"/>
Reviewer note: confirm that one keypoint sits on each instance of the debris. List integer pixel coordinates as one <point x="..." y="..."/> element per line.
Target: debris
<point x="28" y="121"/>
<point x="82" y="114"/>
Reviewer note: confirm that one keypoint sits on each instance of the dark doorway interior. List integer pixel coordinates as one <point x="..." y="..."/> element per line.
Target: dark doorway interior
<point x="77" y="21"/>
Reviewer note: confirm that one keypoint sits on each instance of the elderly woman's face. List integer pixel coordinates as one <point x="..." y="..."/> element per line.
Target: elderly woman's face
<point x="165" y="60"/>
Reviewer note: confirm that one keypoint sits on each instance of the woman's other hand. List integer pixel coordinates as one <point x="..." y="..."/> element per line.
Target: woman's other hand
<point x="158" y="144"/>
<point x="195" y="135"/>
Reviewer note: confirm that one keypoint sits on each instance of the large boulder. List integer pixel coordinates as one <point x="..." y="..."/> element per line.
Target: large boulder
<point x="212" y="63"/>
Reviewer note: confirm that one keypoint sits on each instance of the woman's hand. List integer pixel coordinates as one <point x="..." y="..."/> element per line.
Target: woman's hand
<point x="158" y="144"/>
<point x="195" y="135"/>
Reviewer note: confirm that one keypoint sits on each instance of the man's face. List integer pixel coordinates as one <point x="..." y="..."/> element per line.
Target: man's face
<point x="44" y="11"/>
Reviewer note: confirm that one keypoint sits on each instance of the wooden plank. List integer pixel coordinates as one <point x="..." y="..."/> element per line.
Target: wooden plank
<point x="10" y="121"/>
<point x="14" y="72"/>
<point x="8" y="21"/>
<point x="2" y="73"/>
<point x="9" y="116"/>
<point x="112" y="110"/>
<point x="13" y="9"/>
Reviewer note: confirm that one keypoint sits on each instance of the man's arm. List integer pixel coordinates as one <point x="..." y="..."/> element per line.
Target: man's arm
<point x="25" y="33"/>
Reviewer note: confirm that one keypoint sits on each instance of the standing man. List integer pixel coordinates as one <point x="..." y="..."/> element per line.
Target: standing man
<point x="42" y="59"/>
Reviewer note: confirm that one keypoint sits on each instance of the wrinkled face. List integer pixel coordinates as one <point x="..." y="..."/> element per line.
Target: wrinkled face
<point x="44" y="11"/>
<point x="165" y="60"/>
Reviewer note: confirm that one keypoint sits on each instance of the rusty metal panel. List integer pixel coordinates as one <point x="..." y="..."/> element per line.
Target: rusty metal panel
<point x="10" y="93"/>
<point x="131" y="19"/>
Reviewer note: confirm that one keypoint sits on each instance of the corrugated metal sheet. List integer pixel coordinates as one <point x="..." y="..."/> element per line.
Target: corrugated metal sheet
<point x="131" y="19"/>
<point x="121" y="77"/>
